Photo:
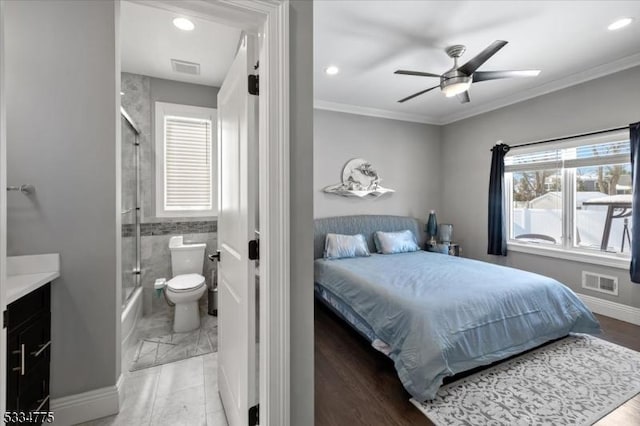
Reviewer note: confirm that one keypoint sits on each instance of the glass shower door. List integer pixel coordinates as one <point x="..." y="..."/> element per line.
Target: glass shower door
<point x="130" y="230"/>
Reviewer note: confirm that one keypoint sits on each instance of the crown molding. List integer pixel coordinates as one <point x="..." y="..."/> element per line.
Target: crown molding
<point x="552" y="86"/>
<point x="374" y="112"/>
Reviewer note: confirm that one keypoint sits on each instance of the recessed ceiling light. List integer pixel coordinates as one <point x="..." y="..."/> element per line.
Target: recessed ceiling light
<point x="331" y="70"/>
<point x="620" y="23"/>
<point x="184" y="24"/>
<point x="121" y="93"/>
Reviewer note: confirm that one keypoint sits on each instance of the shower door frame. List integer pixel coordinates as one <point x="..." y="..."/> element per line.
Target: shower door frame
<point x="137" y="271"/>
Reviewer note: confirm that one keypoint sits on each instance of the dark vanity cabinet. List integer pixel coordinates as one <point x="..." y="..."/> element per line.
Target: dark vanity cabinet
<point x="29" y="351"/>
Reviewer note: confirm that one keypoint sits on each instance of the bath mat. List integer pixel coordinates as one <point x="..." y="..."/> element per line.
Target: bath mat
<point x="576" y="380"/>
<point x="153" y="351"/>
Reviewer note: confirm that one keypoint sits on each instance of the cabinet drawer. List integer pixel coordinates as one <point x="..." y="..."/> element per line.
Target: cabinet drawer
<point x="30" y="305"/>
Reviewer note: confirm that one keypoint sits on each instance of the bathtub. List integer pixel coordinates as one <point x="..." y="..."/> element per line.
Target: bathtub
<point x="130" y="315"/>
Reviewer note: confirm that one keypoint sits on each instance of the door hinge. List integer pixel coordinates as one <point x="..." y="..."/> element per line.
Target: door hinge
<point x="254" y="84"/>
<point x="254" y="415"/>
<point x="254" y="249"/>
<point x="5" y="319"/>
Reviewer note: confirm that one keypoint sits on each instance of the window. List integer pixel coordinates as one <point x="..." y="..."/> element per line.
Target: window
<point x="186" y="160"/>
<point x="573" y="195"/>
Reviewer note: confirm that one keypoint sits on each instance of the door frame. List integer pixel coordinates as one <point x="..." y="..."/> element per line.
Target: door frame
<point x="269" y="20"/>
<point x="3" y="217"/>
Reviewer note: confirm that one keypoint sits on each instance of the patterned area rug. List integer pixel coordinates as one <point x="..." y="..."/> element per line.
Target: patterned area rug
<point x="172" y="347"/>
<point x="574" y="381"/>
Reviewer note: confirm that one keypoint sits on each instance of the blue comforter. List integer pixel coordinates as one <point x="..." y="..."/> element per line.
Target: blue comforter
<point x="442" y="315"/>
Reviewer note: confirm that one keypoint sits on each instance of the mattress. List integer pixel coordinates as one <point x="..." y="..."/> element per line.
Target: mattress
<point x="440" y="315"/>
<point x="348" y="315"/>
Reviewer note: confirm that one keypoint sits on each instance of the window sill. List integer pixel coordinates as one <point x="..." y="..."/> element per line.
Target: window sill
<point x="573" y="255"/>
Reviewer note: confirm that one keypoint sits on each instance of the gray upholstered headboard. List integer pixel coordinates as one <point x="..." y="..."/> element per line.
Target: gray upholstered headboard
<point x="361" y="224"/>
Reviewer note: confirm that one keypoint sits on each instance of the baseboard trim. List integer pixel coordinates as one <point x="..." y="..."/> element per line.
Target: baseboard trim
<point x="82" y="407"/>
<point x="612" y="309"/>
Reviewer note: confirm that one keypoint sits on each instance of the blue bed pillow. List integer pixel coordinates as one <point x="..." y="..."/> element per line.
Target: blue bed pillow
<point x="395" y="242"/>
<point x="338" y="246"/>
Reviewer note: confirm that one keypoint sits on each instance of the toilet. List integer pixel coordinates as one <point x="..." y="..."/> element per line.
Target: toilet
<point x="187" y="285"/>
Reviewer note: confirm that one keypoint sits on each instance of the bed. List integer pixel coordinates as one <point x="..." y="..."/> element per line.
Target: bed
<point x="436" y="315"/>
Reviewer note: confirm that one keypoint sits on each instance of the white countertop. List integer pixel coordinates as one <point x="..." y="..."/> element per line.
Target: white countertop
<point x="28" y="273"/>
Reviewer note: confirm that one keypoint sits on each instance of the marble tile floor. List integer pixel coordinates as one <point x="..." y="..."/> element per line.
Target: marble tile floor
<point x="182" y="393"/>
<point x="157" y="343"/>
<point x="152" y="351"/>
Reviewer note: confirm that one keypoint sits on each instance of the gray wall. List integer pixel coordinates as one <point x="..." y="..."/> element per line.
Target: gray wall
<point x="61" y="122"/>
<point x="178" y="92"/>
<point x="301" y="181"/>
<point x="607" y="102"/>
<point x="405" y="155"/>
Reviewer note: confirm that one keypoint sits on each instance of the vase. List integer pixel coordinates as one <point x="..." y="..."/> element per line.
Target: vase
<point x="432" y="227"/>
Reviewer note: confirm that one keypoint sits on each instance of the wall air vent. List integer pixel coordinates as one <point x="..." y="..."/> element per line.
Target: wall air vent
<point x="598" y="282"/>
<point x="185" y="67"/>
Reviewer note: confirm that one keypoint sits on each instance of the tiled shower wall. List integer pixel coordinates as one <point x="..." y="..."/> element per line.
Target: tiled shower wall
<point x="156" y="257"/>
<point x="155" y="232"/>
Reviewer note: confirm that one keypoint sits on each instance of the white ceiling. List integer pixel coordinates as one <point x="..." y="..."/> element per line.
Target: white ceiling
<point x="369" y="40"/>
<point x="149" y="41"/>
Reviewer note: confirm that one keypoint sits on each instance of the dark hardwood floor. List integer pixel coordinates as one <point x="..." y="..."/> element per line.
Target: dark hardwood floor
<point x="357" y="385"/>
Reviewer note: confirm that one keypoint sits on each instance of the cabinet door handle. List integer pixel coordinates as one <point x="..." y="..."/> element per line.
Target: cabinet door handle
<point x="42" y="348"/>
<point x="21" y="352"/>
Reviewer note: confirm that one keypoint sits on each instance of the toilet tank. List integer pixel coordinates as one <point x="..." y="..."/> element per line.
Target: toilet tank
<point x="186" y="258"/>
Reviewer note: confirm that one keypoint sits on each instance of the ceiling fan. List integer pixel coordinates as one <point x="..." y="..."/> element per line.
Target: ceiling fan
<point x="456" y="81"/>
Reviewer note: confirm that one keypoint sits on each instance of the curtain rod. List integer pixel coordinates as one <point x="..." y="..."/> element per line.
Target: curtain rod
<point x="580" y="135"/>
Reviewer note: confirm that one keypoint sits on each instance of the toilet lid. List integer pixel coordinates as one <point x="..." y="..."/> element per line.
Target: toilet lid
<point x="185" y="282"/>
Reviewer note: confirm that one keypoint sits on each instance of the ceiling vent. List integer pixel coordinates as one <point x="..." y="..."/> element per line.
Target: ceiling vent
<point x="185" y="67"/>
<point x="599" y="282"/>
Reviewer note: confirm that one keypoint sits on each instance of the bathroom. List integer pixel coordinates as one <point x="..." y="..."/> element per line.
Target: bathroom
<point x="126" y="327"/>
<point x="155" y="316"/>
<point x="170" y="76"/>
<point x="160" y="80"/>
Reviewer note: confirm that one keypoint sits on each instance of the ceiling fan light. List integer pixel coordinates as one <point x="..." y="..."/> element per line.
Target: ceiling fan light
<point x="456" y="88"/>
<point x="619" y="24"/>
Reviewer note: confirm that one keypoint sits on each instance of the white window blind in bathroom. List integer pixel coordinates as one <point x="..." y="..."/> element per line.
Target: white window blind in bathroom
<point x="187" y="164"/>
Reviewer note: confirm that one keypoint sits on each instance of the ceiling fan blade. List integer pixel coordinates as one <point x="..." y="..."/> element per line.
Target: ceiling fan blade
<point x="494" y="75"/>
<point x="482" y="57"/>
<point x="418" y="73"/>
<point x="463" y="97"/>
<point x="417" y="94"/>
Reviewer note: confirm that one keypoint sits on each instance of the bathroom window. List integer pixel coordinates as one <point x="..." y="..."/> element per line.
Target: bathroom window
<point x="186" y="159"/>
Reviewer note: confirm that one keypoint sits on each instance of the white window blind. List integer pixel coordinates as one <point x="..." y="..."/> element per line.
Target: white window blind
<point x="187" y="164"/>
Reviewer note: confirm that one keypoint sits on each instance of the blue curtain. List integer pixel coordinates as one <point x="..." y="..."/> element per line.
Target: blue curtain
<point x="497" y="225"/>
<point x="634" y="138"/>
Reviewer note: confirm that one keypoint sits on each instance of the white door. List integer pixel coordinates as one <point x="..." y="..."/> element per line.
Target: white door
<point x="236" y="226"/>
<point x="3" y="217"/>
